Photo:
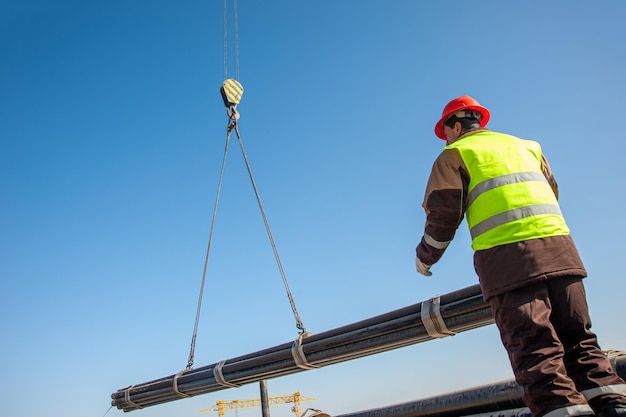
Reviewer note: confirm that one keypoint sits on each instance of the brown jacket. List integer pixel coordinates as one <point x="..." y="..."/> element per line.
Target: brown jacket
<point x="501" y="268"/>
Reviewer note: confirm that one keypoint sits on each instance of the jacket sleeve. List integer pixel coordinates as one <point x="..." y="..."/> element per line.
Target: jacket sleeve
<point x="444" y="204"/>
<point x="547" y="172"/>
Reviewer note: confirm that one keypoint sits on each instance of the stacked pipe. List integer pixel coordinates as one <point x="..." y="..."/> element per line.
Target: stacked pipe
<point x="440" y="316"/>
<point x="501" y="399"/>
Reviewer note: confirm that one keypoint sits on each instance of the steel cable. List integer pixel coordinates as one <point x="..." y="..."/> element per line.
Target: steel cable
<point x="294" y="309"/>
<point x="206" y="259"/>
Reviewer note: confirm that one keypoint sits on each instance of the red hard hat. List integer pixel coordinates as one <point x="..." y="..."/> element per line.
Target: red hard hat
<point x="458" y="104"/>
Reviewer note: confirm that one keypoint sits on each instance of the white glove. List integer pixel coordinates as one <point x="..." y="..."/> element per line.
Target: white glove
<point x="422" y="268"/>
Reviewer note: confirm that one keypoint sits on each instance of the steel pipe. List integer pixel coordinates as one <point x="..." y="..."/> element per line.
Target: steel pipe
<point x="460" y="311"/>
<point x="501" y="399"/>
<point x="516" y="412"/>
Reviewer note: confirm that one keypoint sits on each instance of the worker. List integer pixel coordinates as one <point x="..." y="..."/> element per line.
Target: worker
<point x="528" y="266"/>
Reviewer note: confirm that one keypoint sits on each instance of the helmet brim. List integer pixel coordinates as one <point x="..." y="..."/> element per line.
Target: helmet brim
<point x="483" y="120"/>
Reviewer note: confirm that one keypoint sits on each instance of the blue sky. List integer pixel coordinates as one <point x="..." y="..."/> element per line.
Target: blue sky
<point x="112" y="133"/>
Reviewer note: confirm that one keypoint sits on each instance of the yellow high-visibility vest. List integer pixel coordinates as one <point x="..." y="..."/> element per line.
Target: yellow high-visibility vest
<point x="509" y="198"/>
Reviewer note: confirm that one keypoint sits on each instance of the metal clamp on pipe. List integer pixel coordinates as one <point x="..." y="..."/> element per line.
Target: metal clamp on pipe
<point x="298" y="353"/>
<point x="175" y="384"/>
<point x="127" y="398"/>
<point x="432" y="320"/>
<point x="219" y="376"/>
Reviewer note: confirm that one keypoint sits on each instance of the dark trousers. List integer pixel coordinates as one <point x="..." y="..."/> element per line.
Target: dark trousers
<point x="545" y="328"/>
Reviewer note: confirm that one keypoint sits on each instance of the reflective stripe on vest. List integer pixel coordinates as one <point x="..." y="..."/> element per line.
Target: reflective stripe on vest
<point x="513" y="215"/>
<point x="509" y="198"/>
<point x="503" y="180"/>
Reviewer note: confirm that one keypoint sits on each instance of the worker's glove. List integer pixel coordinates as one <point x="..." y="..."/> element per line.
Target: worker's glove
<point x="422" y="268"/>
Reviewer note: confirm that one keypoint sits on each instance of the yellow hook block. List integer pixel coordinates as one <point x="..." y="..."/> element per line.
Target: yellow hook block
<point x="231" y="91"/>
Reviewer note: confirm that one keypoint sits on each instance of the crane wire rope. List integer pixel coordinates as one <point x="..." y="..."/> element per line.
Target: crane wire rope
<point x="299" y="324"/>
<point x="206" y="259"/>
<point x="236" y="41"/>
<point x="233" y="116"/>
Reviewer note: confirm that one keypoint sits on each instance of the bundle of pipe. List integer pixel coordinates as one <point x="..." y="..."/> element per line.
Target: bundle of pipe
<point x="437" y="317"/>
<point x="501" y="399"/>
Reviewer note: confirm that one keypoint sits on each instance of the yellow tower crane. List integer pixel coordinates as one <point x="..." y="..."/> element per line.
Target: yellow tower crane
<point x="295" y="398"/>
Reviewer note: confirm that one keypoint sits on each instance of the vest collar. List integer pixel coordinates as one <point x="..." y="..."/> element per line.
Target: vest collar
<point x="469" y="133"/>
